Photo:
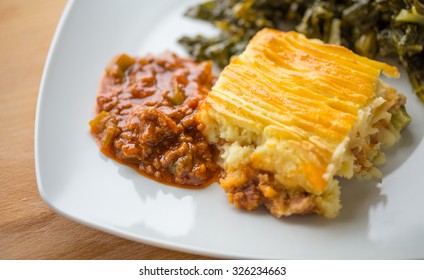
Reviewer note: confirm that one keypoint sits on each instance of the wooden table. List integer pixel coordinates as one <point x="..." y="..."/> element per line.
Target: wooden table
<point x="28" y="228"/>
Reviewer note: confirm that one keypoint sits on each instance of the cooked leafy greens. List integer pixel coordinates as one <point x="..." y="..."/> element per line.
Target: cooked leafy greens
<point x="390" y="28"/>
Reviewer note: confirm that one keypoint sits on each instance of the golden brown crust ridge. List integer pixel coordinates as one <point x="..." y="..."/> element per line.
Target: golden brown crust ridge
<point x="297" y="95"/>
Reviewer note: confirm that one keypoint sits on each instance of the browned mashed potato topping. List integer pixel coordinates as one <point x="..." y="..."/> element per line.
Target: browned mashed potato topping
<point x="146" y="110"/>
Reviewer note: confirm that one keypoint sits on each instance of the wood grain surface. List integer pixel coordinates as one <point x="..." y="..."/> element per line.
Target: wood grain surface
<point x="28" y="228"/>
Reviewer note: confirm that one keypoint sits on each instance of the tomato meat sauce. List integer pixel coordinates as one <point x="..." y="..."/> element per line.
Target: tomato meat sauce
<point x="145" y="118"/>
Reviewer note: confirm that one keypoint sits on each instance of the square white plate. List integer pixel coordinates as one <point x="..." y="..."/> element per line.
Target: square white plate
<point x="379" y="219"/>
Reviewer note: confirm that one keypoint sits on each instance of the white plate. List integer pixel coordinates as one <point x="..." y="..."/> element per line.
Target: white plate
<point x="378" y="220"/>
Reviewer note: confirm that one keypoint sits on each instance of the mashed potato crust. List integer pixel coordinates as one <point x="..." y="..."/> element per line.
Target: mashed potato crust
<point x="282" y="140"/>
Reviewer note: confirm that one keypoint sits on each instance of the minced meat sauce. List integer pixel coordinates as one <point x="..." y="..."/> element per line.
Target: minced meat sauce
<point x="146" y="117"/>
